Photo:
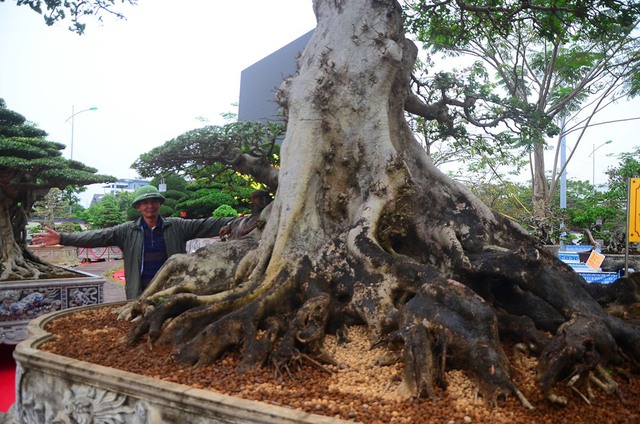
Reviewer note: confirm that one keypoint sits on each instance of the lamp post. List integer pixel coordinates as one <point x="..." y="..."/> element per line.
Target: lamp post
<point x="73" y="113"/>
<point x="593" y="166"/>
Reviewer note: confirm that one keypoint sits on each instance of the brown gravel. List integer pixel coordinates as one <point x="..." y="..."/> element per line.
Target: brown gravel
<point x="362" y="392"/>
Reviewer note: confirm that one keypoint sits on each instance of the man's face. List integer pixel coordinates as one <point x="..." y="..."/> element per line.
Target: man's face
<point x="149" y="208"/>
<point x="258" y="202"/>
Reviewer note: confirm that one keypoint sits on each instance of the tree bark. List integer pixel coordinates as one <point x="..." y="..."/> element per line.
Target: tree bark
<point x="16" y="261"/>
<point x="365" y="230"/>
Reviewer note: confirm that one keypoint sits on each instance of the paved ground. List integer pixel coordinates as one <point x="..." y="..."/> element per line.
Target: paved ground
<point x="113" y="292"/>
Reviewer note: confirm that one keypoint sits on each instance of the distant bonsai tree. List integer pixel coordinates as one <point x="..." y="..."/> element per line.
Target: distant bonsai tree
<point x="29" y="167"/>
<point x="224" y="211"/>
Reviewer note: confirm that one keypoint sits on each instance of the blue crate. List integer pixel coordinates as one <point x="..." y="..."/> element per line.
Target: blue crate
<point x="581" y="267"/>
<point x="568" y="257"/>
<point x="599" y="277"/>
<point x="579" y="248"/>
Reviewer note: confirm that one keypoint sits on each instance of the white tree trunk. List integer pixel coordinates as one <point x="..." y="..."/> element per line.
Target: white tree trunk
<point x="364" y="229"/>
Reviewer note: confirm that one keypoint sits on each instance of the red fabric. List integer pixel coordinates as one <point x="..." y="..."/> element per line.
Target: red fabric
<point x="119" y="276"/>
<point x="7" y="377"/>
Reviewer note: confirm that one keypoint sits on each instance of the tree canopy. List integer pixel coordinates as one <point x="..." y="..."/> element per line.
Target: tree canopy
<point x="551" y="62"/>
<point x="218" y="153"/>
<point x="30" y="166"/>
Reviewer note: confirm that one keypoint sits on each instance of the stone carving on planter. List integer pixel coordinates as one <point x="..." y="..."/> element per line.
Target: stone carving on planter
<point x="28" y="303"/>
<point x="59" y="255"/>
<point x="52" y="389"/>
<point x="80" y="404"/>
<point x="23" y="300"/>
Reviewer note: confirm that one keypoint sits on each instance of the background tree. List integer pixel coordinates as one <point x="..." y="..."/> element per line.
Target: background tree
<point x="615" y="198"/>
<point x="200" y="200"/>
<point x="224" y="163"/>
<point x="224" y="211"/>
<point x="108" y="212"/>
<point x="546" y="75"/>
<point x="176" y="190"/>
<point x="219" y="153"/>
<point x="53" y="205"/>
<point x="480" y="156"/>
<point x="365" y="230"/>
<point x="29" y="167"/>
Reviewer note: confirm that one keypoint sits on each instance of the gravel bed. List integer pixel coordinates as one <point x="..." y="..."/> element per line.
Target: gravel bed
<point x="360" y="392"/>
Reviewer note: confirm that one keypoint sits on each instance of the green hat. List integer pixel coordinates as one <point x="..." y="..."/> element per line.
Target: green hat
<point x="147" y="192"/>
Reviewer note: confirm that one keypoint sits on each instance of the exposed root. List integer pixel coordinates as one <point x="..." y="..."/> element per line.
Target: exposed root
<point x="607" y="384"/>
<point x="573" y="387"/>
<point x="523" y="400"/>
<point x="317" y="365"/>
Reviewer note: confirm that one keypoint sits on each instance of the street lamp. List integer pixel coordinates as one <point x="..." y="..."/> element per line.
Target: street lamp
<point x="73" y="113"/>
<point x="593" y="166"/>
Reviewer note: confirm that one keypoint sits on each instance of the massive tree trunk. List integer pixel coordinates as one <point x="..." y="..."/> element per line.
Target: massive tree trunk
<point x="365" y="230"/>
<point x="16" y="261"/>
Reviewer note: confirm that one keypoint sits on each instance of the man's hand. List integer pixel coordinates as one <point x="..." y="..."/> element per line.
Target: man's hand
<point x="48" y="238"/>
<point x="224" y="232"/>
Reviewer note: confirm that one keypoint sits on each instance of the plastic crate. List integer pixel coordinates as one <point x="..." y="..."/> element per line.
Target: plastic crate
<point x="599" y="277"/>
<point x="582" y="267"/>
<point x="580" y="247"/>
<point x="568" y="257"/>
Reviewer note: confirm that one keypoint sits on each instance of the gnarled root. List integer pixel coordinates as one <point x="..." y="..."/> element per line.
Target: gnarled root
<point x="572" y="355"/>
<point x="471" y="341"/>
<point x="424" y="357"/>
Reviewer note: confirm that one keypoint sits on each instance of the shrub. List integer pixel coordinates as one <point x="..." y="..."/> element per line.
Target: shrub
<point x="224" y="211"/>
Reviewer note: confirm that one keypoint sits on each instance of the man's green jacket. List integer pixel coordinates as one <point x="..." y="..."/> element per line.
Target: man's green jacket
<point x="129" y="238"/>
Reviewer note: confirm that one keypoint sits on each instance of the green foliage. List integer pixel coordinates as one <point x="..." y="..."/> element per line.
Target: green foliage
<point x="224" y="211"/>
<point x="211" y="151"/>
<point x="629" y="167"/>
<point x="450" y="23"/>
<point x="166" y="210"/>
<point x="175" y="183"/>
<point x="132" y="214"/>
<point x="68" y="227"/>
<point x="201" y="202"/>
<point x="171" y="203"/>
<point x="207" y="156"/>
<point x="124" y="199"/>
<point x="54" y="11"/>
<point x="549" y="60"/>
<point x="105" y="213"/>
<point x="508" y="198"/>
<point x="175" y="194"/>
<point x="52" y="205"/>
<point x="30" y="166"/>
<point x="586" y="209"/>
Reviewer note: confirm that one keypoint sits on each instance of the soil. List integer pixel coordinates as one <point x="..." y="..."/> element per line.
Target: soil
<point x="359" y="391"/>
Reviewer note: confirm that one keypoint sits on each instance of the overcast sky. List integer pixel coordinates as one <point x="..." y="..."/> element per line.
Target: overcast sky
<point x="152" y="75"/>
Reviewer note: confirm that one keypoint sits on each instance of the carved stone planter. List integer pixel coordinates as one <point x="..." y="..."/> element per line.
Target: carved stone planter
<point x="52" y="388"/>
<point x="22" y="301"/>
<point x="58" y="254"/>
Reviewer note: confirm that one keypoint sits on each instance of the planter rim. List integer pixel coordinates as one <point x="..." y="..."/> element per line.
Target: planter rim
<point x="29" y="356"/>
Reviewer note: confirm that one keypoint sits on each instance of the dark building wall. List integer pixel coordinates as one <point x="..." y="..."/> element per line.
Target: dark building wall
<point x="259" y="82"/>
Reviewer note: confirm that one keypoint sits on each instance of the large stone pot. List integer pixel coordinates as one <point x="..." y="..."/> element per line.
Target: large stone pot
<point x="57" y="254"/>
<point x="55" y="389"/>
<point x="23" y="300"/>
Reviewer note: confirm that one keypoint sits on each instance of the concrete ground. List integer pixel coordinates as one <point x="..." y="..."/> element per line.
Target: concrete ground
<point x="113" y="291"/>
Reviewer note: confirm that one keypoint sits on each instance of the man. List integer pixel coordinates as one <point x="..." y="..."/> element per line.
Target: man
<point x="146" y="243"/>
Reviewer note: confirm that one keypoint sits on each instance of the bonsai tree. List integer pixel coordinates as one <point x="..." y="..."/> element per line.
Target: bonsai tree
<point x="29" y="167"/>
<point x="365" y="230"/>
